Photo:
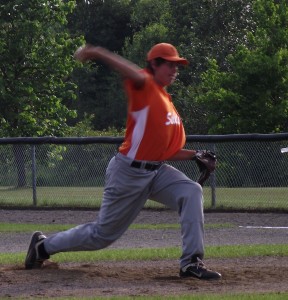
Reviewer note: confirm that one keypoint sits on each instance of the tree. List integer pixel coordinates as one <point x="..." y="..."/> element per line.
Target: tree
<point x="252" y="95"/>
<point x="209" y="29"/>
<point x="203" y="30"/>
<point x="35" y="65"/>
<point x="200" y="30"/>
<point x="104" y="23"/>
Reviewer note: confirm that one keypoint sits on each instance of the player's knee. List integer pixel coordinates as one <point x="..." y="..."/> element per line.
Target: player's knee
<point x="198" y="187"/>
<point x="104" y="237"/>
<point x="102" y="242"/>
<point x="190" y="194"/>
<point x="190" y="203"/>
<point x="192" y="190"/>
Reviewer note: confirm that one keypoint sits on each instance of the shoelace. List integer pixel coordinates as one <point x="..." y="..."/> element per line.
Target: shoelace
<point x="199" y="264"/>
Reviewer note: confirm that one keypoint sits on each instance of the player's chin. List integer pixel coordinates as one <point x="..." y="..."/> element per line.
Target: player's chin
<point x="167" y="81"/>
<point x="170" y="80"/>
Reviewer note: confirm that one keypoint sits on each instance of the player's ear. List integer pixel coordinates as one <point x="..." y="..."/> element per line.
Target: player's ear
<point x="153" y="65"/>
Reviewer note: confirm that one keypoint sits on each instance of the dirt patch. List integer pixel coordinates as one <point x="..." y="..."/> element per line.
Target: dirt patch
<point x="130" y="278"/>
<point x="144" y="278"/>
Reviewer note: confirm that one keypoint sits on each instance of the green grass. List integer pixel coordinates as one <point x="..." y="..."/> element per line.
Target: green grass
<point x="270" y="296"/>
<point x="247" y="198"/>
<point x="230" y="251"/>
<point x="52" y="196"/>
<point x="16" y="227"/>
<point x="237" y="198"/>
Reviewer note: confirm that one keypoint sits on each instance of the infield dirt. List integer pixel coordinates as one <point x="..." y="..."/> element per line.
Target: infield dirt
<point x="130" y="278"/>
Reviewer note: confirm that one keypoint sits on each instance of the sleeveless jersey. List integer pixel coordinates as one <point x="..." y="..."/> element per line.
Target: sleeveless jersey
<point x="154" y="130"/>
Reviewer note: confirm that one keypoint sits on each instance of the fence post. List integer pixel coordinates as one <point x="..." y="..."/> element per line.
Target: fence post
<point x="213" y="190"/>
<point x="213" y="183"/>
<point x="34" y="175"/>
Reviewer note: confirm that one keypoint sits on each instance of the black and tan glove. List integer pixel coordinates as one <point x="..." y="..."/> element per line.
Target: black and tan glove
<point x="206" y="162"/>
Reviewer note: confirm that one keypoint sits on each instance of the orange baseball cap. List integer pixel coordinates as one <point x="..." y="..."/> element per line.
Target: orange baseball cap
<point x="166" y="51"/>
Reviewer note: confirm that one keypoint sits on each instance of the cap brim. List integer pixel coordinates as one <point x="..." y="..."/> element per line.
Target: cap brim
<point x="180" y="60"/>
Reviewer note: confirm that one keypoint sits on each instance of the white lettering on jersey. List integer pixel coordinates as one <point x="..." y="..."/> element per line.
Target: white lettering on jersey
<point x="172" y="118"/>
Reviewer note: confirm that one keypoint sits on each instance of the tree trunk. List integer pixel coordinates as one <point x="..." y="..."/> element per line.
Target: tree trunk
<point x="19" y="156"/>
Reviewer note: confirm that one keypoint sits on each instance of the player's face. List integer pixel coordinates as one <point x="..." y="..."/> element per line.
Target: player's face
<point x="166" y="73"/>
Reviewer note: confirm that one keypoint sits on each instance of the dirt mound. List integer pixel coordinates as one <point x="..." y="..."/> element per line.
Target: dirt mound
<point x="130" y="278"/>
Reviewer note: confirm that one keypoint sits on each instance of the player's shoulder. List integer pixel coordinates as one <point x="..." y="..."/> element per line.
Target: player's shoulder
<point x="147" y="79"/>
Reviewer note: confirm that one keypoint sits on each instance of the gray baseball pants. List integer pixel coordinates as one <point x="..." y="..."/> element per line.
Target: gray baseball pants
<point x="126" y="191"/>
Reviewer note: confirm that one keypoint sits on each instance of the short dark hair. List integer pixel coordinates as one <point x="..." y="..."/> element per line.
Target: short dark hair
<point x="158" y="61"/>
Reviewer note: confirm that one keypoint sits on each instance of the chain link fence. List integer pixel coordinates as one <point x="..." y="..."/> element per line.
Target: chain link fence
<point x="251" y="174"/>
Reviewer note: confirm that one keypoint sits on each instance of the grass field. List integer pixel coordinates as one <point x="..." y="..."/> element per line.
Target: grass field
<point x="149" y="254"/>
<point x="231" y="251"/>
<point x="90" y="197"/>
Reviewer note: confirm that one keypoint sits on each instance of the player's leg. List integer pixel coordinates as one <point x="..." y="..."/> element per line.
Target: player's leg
<point x="175" y="190"/>
<point x="126" y="191"/>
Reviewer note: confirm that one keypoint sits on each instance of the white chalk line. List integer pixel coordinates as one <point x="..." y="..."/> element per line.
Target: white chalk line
<point x="264" y="227"/>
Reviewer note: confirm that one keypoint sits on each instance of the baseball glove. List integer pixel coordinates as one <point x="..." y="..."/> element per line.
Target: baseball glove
<point x="206" y="162"/>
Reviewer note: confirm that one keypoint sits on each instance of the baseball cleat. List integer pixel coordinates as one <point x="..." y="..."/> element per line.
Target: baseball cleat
<point x="199" y="270"/>
<point x="33" y="259"/>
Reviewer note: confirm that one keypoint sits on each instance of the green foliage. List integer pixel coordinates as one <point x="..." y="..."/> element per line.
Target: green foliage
<point x="199" y="30"/>
<point x="143" y="41"/>
<point x="209" y="29"/>
<point x="203" y="30"/>
<point x="105" y="23"/>
<point x="148" y="12"/>
<point x="252" y="95"/>
<point x="35" y="64"/>
<point x="85" y="128"/>
<point x="38" y="78"/>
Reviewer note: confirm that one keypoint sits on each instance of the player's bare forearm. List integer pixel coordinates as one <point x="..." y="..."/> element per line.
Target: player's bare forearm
<point x="125" y="67"/>
<point x="183" y="154"/>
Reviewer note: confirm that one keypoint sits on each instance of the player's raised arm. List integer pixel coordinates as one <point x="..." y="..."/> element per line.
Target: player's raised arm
<point x="125" y="67"/>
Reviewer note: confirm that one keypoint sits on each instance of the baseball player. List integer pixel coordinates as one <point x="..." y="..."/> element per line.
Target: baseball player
<point x="154" y="134"/>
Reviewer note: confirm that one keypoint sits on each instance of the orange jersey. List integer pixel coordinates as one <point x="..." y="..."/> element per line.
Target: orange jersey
<point x="154" y="130"/>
